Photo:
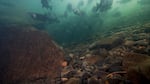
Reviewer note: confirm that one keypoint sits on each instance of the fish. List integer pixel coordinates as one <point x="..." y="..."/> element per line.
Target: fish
<point x="69" y="7"/>
<point x="78" y="12"/>
<point x="45" y="4"/>
<point x="104" y="5"/>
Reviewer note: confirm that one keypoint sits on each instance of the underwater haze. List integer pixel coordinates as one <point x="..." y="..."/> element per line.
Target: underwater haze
<point x="74" y="41"/>
<point x="75" y="21"/>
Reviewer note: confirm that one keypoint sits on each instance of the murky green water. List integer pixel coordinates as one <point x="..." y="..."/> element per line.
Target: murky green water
<point x="75" y="21"/>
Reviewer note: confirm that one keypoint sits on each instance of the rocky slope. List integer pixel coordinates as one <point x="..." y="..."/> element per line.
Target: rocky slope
<point x="120" y="58"/>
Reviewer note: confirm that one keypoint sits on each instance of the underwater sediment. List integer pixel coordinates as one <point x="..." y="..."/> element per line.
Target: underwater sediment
<point x="120" y="58"/>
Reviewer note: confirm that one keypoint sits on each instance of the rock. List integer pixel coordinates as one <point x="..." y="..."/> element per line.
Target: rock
<point x="147" y="25"/>
<point x="68" y="59"/>
<point x="147" y="30"/>
<point x="115" y="69"/>
<point x="102" y="52"/>
<point x="64" y="64"/>
<point x="77" y="64"/>
<point x="140" y="49"/>
<point x="64" y="79"/>
<point x="107" y="43"/>
<point x="79" y="73"/>
<point x="67" y="72"/>
<point x="129" y="43"/>
<point x="28" y="56"/>
<point x="93" y="80"/>
<point x="140" y="36"/>
<point x="133" y="59"/>
<point x="141" y="42"/>
<point x="84" y="78"/>
<point x="89" y="69"/>
<point x="139" y="46"/>
<point x="73" y="81"/>
<point x="140" y="73"/>
<point x="94" y="59"/>
<point x="113" y="60"/>
<point x="88" y="55"/>
<point x="71" y="55"/>
<point x="148" y="50"/>
<point x="114" y="79"/>
<point x="101" y="74"/>
<point x="82" y="58"/>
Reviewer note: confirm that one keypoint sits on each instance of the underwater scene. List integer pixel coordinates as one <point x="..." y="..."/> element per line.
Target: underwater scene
<point x="74" y="41"/>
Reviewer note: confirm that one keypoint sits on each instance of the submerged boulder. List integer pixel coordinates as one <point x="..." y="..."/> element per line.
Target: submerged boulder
<point x="28" y="56"/>
<point x="133" y="59"/>
<point x="137" y="67"/>
<point x="107" y="43"/>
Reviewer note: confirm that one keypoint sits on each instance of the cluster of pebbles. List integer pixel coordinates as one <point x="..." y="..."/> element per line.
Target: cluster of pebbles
<point x="122" y="58"/>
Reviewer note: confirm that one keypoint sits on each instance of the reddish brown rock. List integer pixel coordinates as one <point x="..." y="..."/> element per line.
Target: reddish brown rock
<point x="28" y="56"/>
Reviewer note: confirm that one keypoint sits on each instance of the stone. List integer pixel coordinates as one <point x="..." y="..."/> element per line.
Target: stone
<point x="129" y="43"/>
<point x="67" y="71"/>
<point x="113" y="60"/>
<point x="114" y="79"/>
<point x="141" y="42"/>
<point x="115" y="69"/>
<point x="28" y="55"/>
<point x="73" y="81"/>
<point x="140" y="74"/>
<point x="94" y="59"/>
<point x="93" y="80"/>
<point x="107" y="43"/>
<point x="64" y="64"/>
<point x="133" y="59"/>
<point x="147" y="30"/>
<point x="147" y="25"/>
<point x="84" y="78"/>
<point x="64" y="79"/>
<point x="137" y="67"/>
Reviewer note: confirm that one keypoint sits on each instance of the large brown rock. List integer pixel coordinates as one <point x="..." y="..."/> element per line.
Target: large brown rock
<point x="133" y="59"/>
<point x="28" y="56"/>
<point x="108" y="43"/>
<point x="137" y="67"/>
